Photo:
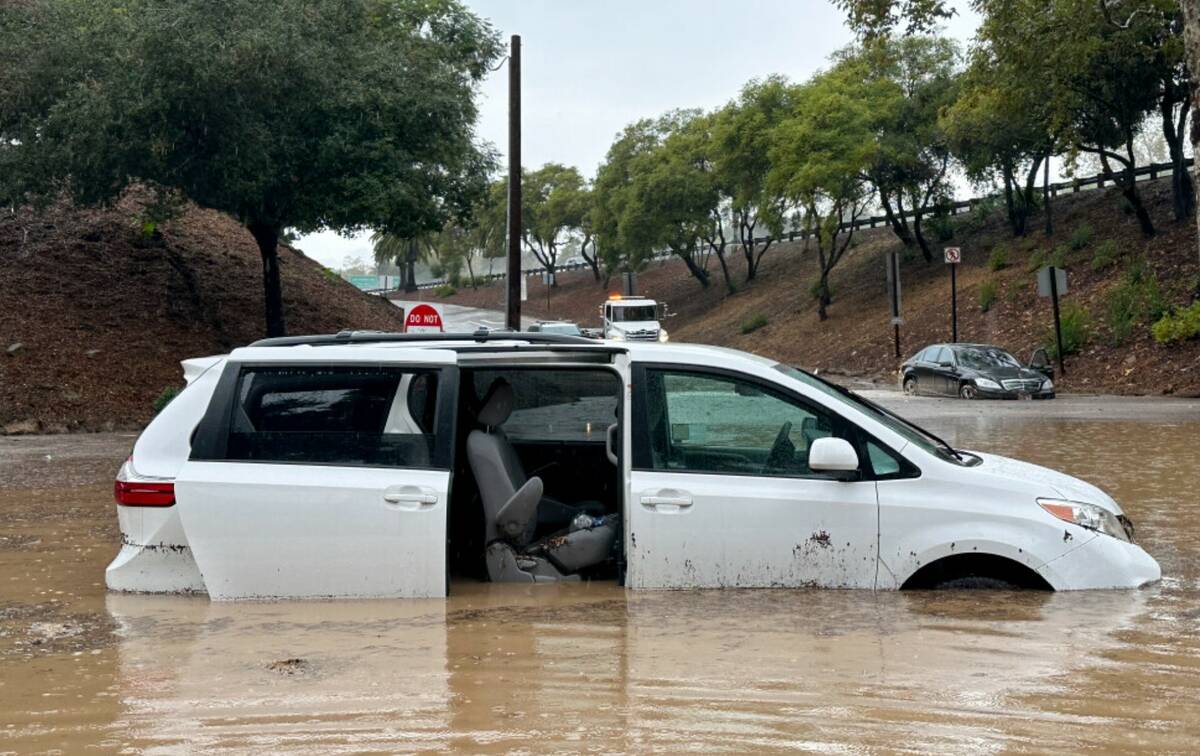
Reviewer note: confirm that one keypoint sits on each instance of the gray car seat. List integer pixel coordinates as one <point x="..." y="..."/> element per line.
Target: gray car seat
<point x="510" y="508"/>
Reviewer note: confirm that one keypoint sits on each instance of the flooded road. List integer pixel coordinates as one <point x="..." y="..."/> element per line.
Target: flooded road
<point x="571" y="668"/>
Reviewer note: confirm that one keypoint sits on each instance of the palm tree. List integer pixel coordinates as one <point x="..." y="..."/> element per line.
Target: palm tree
<point x="400" y="250"/>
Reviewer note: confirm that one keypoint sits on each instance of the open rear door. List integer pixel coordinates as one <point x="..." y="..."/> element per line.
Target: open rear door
<point x="323" y="475"/>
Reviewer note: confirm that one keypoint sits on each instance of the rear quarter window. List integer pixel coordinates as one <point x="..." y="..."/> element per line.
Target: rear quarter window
<point x="335" y="415"/>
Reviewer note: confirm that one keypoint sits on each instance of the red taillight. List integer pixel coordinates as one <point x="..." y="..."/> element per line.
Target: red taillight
<point x="134" y="493"/>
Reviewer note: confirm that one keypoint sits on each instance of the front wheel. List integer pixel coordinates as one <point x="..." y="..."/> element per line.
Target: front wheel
<point x="910" y="385"/>
<point x="967" y="391"/>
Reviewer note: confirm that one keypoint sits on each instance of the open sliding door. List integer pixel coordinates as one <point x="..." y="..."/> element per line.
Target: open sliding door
<point x="325" y="476"/>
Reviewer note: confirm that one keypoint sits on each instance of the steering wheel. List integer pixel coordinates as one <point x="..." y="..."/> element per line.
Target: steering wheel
<point x="783" y="451"/>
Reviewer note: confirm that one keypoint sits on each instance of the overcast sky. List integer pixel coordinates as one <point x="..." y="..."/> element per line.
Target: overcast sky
<point x="589" y="67"/>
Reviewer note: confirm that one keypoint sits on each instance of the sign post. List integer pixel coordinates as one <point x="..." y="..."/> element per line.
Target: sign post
<point x="953" y="258"/>
<point x="513" y="298"/>
<point x="1052" y="281"/>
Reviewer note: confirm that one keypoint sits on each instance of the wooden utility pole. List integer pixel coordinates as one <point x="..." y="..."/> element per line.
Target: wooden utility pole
<point x="513" y="317"/>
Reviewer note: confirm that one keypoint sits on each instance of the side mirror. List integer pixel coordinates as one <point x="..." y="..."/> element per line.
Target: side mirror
<point x="832" y="455"/>
<point x="946" y="364"/>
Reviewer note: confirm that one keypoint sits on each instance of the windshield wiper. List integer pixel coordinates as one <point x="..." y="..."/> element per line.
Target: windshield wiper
<point x="863" y="400"/>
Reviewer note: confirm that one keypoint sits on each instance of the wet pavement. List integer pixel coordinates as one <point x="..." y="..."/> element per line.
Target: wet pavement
<point x="570" y="668"/>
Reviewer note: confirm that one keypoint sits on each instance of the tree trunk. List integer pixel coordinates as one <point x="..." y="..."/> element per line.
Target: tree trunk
<point x="729" y="287"/>
<point x="1191" y="46"/>
<point x="1139" y="209"/>
<point x="470" y="270"/>
<point x="700" y="273"/>
<point x="410" y="267"/>
<point x="593" y="261"/>
<point x="1128" y="185"/>
<point x="267" y="237"/>
<point x="746" y="237"/>
<point x="926" y="252"/>
<point x="823" y="297"/>
<point x="899" y="223"/>
<point x="1046" y="196"/>
<point x="1183" y="194"/>
<point x="1008" y="199"/>
<point x="1028" y="193"/>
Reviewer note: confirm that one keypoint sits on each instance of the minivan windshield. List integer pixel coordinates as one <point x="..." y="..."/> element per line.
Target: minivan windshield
<point x="911" y="432"/>
<point x="622" y="314"/>
<point x="982" y="358"/>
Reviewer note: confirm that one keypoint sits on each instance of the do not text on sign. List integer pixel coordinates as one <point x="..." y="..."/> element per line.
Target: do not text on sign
<point x="424" y="318"/>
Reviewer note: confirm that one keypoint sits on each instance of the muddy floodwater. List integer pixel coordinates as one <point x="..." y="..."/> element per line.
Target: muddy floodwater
<point x="592" y="668"/>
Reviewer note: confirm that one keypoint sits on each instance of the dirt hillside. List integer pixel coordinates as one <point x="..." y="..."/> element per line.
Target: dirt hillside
<point x="94" y="318"/>
<point x="857" y="338"/>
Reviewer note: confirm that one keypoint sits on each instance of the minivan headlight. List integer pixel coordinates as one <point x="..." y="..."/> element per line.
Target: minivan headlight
<point x="662" y="335"/>
<point x="616" y="336"/>
<point x="987" y="383"/>
<point x="1086" y="515"/>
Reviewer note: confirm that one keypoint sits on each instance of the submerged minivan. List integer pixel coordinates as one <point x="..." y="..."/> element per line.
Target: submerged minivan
<point x="382" y="465"/>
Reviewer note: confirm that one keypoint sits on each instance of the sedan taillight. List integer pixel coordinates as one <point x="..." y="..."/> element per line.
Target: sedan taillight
<point x="130" y="491"/>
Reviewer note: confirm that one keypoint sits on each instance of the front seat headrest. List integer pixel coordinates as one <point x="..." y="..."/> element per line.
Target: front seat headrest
<point x="497" y="404"/>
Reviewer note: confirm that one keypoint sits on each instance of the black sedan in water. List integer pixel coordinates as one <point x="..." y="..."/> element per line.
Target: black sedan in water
<point x="976" y="371"/>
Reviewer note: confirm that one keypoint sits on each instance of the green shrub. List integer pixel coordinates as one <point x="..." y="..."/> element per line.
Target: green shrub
<point x="814" y="289"/>
<point x="998" y="259"/>
<point x="445" y="290"/>
<point x="1106" y="255"/>
<point x="1136" y="299"/>
<point x="1181" y="325"/>
<point x="979" y="215"/>
<point x="942" y="227"/>
<point x="987" y="294"/>
<point x="164" y="397"/>
<point x="1076" y="329"/>
<point x="754" y="323"/>
<point x="1037" y="261"/>
<point x="1082" y="236"/>
<point x="1058" y="258"/>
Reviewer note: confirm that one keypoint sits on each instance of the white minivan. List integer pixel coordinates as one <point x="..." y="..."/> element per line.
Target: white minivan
<point x="381" y="465"/>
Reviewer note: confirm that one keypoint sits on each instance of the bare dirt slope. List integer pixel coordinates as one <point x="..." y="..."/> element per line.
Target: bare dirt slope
<point x="857" y="339"/>
<point x="102" y="316"/>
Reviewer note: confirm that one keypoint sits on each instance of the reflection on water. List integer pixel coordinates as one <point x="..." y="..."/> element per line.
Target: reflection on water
<point x="591" y="667"/>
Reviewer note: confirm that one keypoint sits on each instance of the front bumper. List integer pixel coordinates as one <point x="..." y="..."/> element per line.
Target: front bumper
<point x="983" y="393"/>
<point x="1102" y="562"/>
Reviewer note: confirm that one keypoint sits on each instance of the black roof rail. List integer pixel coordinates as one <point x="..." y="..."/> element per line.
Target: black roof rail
<point x="381" y="337"/>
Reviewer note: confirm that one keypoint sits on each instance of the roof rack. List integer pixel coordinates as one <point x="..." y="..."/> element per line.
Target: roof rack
<point x="378" y="337"/>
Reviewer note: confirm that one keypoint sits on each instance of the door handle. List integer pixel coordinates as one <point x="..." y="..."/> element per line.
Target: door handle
<point x="667" y="501"/>
<point x="410" y="498"/>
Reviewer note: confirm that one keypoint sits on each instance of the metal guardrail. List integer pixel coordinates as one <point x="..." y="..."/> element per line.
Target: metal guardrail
<point x="1074" y="186"/>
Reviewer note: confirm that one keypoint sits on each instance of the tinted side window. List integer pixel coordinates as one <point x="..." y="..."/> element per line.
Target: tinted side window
<point x="556" y="405"/>
<point x="941" y="355"/>
<point x="334" y="415"/>
<point x="716" y="424"/>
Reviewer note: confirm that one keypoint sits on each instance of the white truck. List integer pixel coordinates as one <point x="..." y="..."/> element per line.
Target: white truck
<point x="633" y="319"/>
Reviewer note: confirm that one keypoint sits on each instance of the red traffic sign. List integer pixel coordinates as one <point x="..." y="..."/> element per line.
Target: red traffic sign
<point x="954" y="255"/>
<point x="424" y="318"/>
